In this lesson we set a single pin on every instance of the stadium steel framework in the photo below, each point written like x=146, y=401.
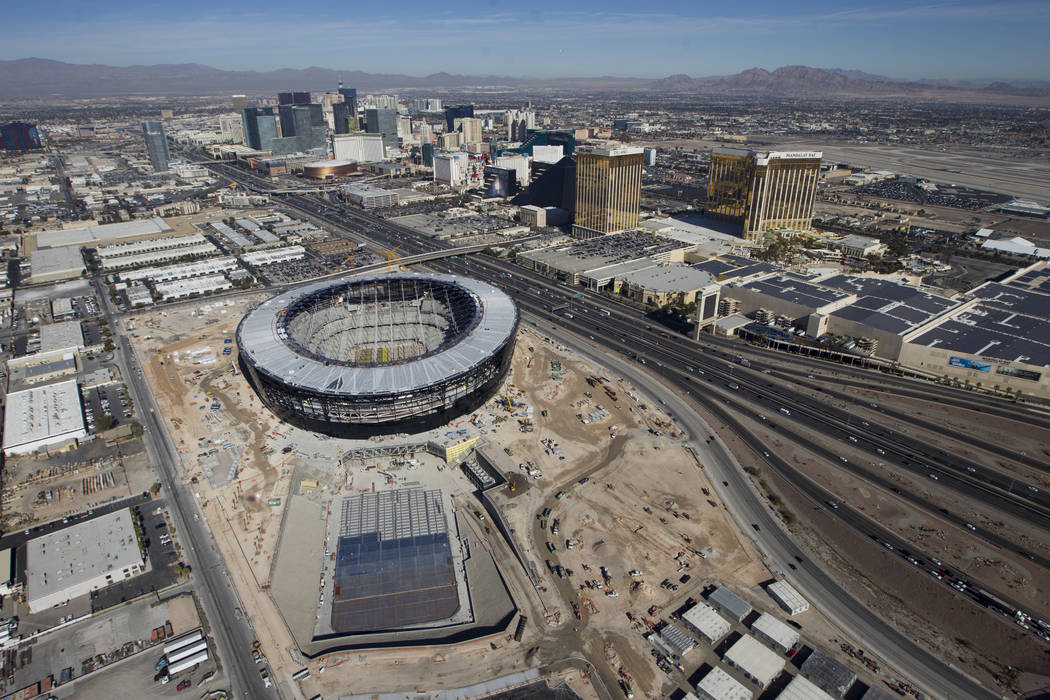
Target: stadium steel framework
x=380, y=353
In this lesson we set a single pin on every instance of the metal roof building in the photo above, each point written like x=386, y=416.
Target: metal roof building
x=719, y=685
x=51, y=264
x=787, y=597
x=78, y=559
x=801, y=689
x=774, y=632
x=754, y=660
x=43, y=417
x=728, y=602
x=394, y=562
x=706, y=623
x=375, y=353
x=102, y=233
x=66, y=335
x=828, y=674
x=681, y=642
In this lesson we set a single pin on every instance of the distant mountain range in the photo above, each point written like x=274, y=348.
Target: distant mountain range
x=43, y=78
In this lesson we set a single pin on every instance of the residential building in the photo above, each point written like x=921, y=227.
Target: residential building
x=649, y=157
x=608, y=190
x=763, y=192
x=156, y=145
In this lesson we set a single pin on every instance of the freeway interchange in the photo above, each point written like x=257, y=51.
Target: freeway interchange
x=727, y=382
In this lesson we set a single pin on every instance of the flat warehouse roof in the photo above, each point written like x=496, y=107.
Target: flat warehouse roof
x=102, y=233
x=78, y=555
x=43, y=413
x=60, y=336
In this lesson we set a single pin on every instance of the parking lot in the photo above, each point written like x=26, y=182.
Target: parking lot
x=106, y=400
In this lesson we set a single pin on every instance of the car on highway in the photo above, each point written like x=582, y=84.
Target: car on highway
x=969, y=526
x=757, y=528
x=934, y=477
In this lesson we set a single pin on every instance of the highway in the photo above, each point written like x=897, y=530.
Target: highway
x=231, y=632
x=610, y=331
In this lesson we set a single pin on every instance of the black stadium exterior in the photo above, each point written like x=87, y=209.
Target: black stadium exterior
x=375, y=354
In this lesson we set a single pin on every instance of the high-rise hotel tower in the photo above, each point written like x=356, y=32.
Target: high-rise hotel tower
x=608, y=190
x=763, y=191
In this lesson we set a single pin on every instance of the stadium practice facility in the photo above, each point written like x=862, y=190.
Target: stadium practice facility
x=385, y=353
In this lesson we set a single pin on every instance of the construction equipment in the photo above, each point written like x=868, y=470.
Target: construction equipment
x=392, y=258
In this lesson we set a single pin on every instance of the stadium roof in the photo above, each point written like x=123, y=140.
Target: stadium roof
x=259, y=340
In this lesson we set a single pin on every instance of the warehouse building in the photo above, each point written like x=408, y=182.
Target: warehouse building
x=801, y=689
x=719, y=685
x=53, y=264
x=828, y=674
x=680, y=642
x=260, y=258
x=728, y=602
x=189, y=251
x=182, y=271
x=149, y=245
x=180, y=289
x=22, y=375
x=601, y=262
x=758, y=664
x=787, y=597
x=774, y=633
x=65, y=337
x=81, y=558
x=43, y=418
x=102, y=233
x=706, y=623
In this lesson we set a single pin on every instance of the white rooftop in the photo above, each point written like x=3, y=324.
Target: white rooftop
x=775, y=630
x=802, y=689
x=706, y=620
x=95, y=235
x=42, y=415
x=750, y=655
x=74, y=556
x=719, y=684
x=61, y=336
x=50, y=261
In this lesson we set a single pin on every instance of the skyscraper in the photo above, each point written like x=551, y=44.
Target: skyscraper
x=156, y=145
x=293, y=98
x=346, y=115
x=382, y=121
x=19, y=136
x=260, y=127
x=454, y=113
x=763, y=191
x=303, y=128
x=470, y=127
x=608, y=190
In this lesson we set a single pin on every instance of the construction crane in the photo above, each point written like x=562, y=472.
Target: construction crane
x=391, y=259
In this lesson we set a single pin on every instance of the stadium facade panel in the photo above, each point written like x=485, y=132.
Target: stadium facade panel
x=379, y=353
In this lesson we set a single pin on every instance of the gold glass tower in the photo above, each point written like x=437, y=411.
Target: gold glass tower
x=608, y=190
x=763, y=191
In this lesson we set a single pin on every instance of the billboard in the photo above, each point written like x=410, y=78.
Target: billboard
x=969, y=364
x=1017, y=372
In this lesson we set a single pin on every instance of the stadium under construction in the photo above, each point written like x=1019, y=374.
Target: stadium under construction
x=385, y=353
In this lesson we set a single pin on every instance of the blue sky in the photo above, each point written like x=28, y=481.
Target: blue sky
x=951, y=39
